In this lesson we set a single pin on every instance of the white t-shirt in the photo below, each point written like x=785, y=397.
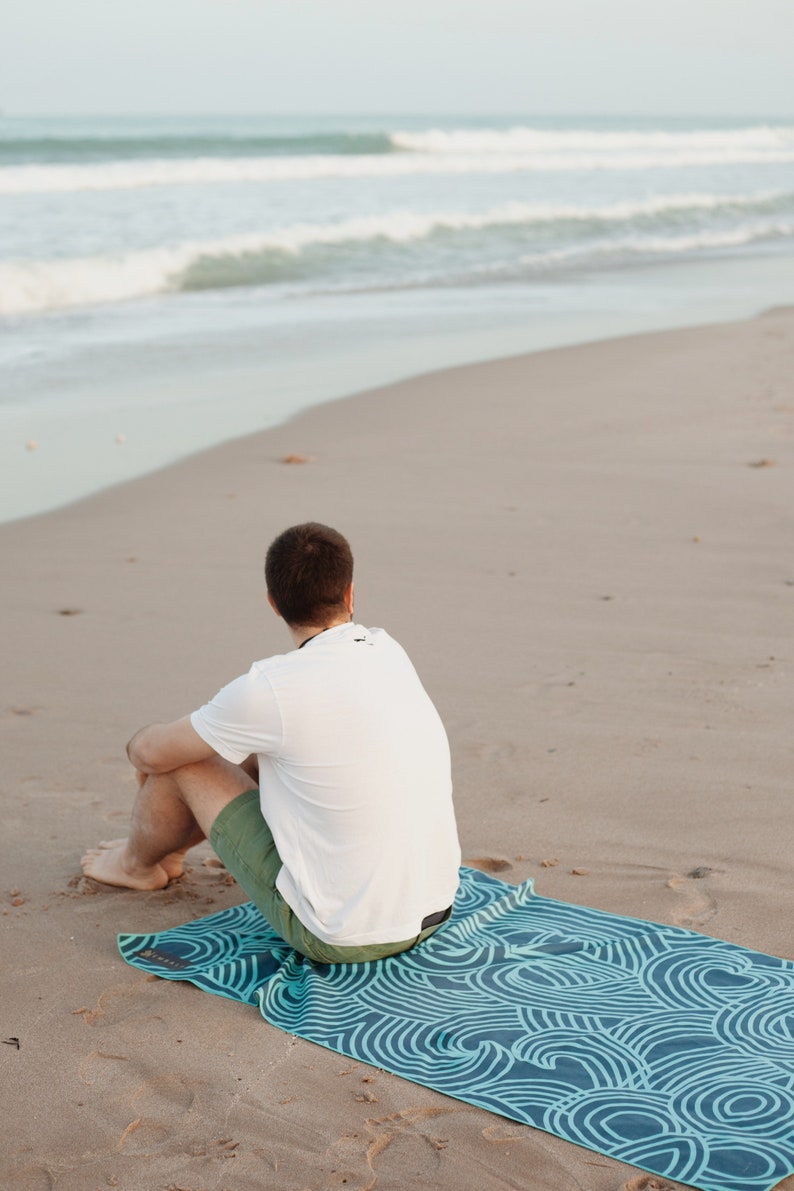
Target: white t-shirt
x=354, y=775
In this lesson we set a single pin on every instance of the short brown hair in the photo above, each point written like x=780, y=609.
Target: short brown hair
x=308, y=569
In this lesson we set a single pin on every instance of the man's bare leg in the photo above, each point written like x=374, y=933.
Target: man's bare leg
x=173, y=864
x=172, y=812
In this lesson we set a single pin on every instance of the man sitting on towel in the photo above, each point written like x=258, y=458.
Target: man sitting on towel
x=348, y=846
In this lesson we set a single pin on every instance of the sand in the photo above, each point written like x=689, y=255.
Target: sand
x=587, y=552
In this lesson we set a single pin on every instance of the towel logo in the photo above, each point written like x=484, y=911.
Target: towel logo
x=166, y=959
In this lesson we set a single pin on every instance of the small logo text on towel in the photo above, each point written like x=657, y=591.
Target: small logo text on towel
x=166, y=959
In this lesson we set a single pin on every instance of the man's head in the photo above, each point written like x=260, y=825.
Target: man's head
x=309, y=573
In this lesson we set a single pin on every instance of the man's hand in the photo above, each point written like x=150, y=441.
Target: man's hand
x=161, y=748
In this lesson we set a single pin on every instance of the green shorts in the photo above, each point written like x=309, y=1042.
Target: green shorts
x=243, y=841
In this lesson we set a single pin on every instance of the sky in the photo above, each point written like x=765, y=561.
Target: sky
x=598, y=57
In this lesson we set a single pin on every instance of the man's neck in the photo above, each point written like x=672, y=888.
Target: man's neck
x=301, y=634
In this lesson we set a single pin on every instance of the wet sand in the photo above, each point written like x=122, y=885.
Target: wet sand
x=587, y=553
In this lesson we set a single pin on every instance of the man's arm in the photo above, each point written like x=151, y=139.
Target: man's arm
x=160, y=748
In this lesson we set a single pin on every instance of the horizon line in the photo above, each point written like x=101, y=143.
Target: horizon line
x=394, y=114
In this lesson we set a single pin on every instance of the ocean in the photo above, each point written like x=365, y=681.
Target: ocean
x=168, y=283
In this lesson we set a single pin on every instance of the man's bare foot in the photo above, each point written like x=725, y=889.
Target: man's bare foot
x=111, y=865
x=173, y=864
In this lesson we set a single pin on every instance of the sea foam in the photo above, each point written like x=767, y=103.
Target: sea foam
x=624, y=229
x=463, y=152
x=762, y=138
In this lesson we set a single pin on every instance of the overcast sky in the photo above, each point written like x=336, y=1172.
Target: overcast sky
x=700, y=57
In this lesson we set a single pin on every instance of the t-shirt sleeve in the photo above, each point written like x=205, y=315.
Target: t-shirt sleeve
x=242, y=719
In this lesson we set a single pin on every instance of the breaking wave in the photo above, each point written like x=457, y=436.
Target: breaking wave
x=760, y=139
x=372, y=250
x=62, y=165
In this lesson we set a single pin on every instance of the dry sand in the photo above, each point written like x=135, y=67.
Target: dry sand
x=588, y=554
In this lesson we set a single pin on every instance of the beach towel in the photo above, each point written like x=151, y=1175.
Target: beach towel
x=651, y=1044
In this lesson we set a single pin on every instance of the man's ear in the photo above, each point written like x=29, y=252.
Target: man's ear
x=349, y=598
x=272, y=603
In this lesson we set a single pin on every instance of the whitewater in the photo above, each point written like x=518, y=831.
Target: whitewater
x=338, y=252
x=622, y=230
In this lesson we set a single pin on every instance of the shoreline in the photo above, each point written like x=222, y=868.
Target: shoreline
x=585, y=552
x=125, y=411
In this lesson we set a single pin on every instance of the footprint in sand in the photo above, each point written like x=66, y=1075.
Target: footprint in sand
x=648, y=1182
x=698, y=905
x=410, y=1145
x=143, y=1136
x=490, y=864
x=164, y=1093
x=101, y=1067
x=502, y=1133
x=492, y=751
x=31, y=1178
x=123, y=1003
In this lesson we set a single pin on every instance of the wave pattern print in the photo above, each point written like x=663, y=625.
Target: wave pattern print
x=233, y=957
x=651, y=1044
